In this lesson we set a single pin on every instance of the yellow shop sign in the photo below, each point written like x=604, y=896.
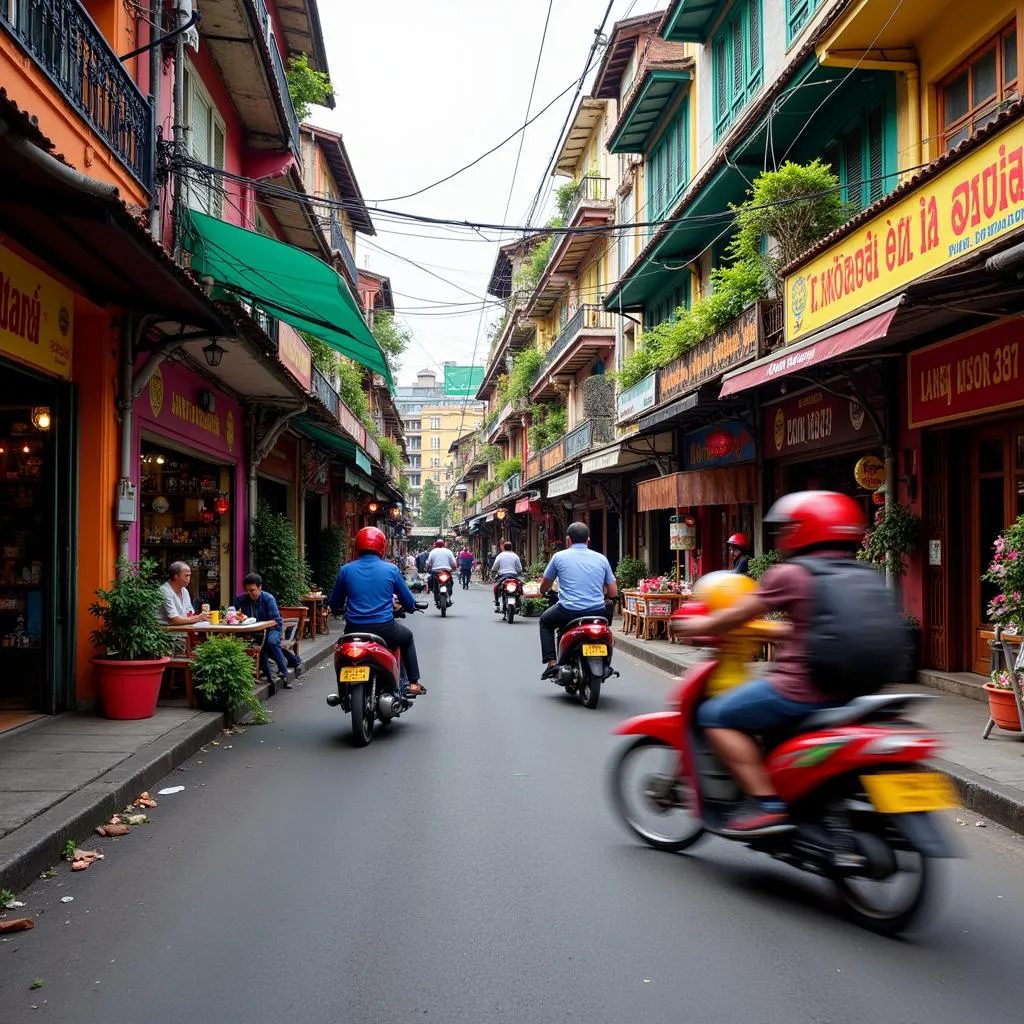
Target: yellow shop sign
x=961, y=210
x=36, y=316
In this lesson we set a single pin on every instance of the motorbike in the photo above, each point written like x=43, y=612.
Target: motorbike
x=585, y=657
x=370, y=681
x=861, y=795
x=443, y=587
x=511, y=591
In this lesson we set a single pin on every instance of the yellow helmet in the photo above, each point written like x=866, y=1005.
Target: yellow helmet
x=723, y=589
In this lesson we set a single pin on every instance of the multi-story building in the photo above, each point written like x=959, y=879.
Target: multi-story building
x=432, y=420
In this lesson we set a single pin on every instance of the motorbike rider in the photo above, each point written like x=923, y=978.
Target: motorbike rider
x=586, y=586
x=440, y=557
x=738, y=546
x=366, y=588
x=811, y=524
x=466, y=559
x=506, y=564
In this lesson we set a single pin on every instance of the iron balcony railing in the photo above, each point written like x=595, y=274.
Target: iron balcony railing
x=68, y=47
x=568, y=446
x=591, y=189
x=340, y=245
x=512, y=484
x=323, y=390
x=279, y=75
x=587, y=317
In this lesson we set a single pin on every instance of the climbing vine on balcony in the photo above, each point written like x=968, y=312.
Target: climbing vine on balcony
x=550, y=422
x=506, y=468
x=524, y=373
x=306, y=86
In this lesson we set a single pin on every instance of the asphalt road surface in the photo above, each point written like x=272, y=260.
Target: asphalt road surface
x=465, y=868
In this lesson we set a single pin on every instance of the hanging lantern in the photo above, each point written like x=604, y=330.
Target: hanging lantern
x=720, y=443
x=206, y=515
x=220, y=504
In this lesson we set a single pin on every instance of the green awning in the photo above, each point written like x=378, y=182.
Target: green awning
x=289, y=284
x=690, y=21
x=644, y=111
x=363, y=460
x=333, y=442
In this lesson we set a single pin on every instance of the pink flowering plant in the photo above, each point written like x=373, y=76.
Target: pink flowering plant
x=1002, y=680
x=1006, y=571
x=663, y=585
x=889, y=540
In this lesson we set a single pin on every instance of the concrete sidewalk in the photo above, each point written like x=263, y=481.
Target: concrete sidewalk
x=62, y=776
x=988, y=774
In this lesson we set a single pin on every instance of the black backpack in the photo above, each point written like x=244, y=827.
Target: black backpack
x=856, y=643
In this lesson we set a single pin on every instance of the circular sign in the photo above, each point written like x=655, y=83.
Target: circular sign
x=156, y=392
x=780, y=429
x=870, y=472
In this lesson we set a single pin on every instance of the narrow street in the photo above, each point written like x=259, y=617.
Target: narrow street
x=466, y=868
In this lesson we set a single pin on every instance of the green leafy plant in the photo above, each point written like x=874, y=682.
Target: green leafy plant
x=534, y=606
x=306, y=86
x=325, y=358
x=485, y=487
x=276, y=556
x=433, y=508
x=760, y=564
x=533, y=266
x=390, y=452
x=564, y=195
x=629, y=572
x=535, y=570
x=36, y=983
x=506, y=468
x=68, y=853
x=223, y=676
x=393, y=338
x=525, y=367
x=892, y=537
x=352, y=389
x=490, y=454
x=1006, y=571
x=127, y=609
x=332, y=555
x=550, y=422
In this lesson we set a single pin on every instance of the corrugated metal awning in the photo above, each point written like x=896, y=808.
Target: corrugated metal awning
x=729, y=485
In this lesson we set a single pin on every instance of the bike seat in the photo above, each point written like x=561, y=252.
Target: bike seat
x=871, y=707
x=586, y=620
x=363, y=638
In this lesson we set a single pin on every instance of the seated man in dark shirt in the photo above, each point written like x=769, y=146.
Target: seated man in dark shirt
x=262, y=606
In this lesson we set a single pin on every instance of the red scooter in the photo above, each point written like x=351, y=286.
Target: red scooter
x=585, y=657
x=371, y=679
x=856, y=779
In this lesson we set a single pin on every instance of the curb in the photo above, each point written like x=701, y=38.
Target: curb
x=1002, y=803
x=37, y=845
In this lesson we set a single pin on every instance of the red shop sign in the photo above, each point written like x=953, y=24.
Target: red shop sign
x=812, y=421
x=965, y=376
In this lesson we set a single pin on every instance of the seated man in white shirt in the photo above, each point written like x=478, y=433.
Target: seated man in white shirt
x=176, y=605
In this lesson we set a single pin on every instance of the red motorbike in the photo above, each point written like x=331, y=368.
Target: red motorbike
x=856, y=778
x=371, y=681
x=443, y=587
x=585, y=657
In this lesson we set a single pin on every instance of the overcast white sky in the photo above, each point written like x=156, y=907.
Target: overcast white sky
x=423, y=89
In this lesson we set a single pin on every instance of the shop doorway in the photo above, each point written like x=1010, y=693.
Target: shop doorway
x=37, y=569
x=996, y=499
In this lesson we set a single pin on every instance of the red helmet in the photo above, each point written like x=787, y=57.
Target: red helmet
x=439, y=543
x=811, y=519
x=738, y=540
x=369, y=538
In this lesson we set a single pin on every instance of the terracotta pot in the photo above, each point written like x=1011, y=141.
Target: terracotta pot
x=1003, y=707
x=129, y=689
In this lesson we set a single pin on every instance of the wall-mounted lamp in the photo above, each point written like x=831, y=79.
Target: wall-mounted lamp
x=41, y=417
x=213, y=353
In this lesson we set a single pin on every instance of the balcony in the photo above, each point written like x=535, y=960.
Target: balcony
x=654, y=91
x=321, y=387
x=588, y=335
x=590, y=201
x=68, y=47
x=566, y=449
x=340, y=245
x=513, y=334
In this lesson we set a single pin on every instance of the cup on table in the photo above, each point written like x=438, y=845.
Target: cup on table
x=214, y=618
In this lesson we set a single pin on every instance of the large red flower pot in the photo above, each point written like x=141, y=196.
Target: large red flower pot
x=129, y=689
x=1003, y=708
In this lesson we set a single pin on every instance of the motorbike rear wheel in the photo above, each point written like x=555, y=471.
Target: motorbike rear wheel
x=861, y=901
x=362, y=714
x=661, y=794
x=443, y=601
x=510, y=614
x=590, y=688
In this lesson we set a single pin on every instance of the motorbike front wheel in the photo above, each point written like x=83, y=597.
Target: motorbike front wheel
x=651, y=798
x=362, y=714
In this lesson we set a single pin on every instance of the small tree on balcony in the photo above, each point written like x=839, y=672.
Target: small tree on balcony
x=524, y=373
x=306, y=85
x=394, y=338
x=564, y=195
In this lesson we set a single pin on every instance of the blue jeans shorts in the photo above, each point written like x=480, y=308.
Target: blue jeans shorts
x=754, y=708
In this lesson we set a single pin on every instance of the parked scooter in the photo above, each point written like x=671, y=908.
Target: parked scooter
x=855, y=777
x=371, y=681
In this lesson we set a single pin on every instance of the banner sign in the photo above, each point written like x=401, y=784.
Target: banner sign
x=37, y=316
x=171, y=402
x=350, y=423
x=812, y=421
x=968, y=205
x=637, y=399
x=975, y=373
x=566, y=484
x=734, y=344
x=696, y=454
x=294, y=354
x=462, y=381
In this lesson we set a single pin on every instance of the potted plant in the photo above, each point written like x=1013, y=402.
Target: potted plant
x=135, y=647
x=629, y=572
x=1006, y=609
x=760, y=564
x=892, y=537
x=1002, y=702
x=223, y=677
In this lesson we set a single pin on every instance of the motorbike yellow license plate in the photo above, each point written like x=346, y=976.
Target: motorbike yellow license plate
x=910, y=792
x=595, y=650
x=355, y=673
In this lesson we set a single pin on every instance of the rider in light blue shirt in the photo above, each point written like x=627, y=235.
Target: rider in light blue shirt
x=585, y=581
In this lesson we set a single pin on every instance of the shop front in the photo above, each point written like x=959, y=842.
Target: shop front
x=38, y=438
x=965, y=412
x=192, y=481
x=276, y=476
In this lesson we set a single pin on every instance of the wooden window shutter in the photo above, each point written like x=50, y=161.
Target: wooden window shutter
x=875, y=155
